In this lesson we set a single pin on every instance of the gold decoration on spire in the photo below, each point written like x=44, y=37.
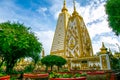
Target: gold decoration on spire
x=103, y=45
x=75, y=12
x=110, y=52
x=64, y=3
x=103, y=48
x=74, y=5
x=64, y=6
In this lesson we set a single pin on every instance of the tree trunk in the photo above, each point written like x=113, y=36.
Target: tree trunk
x=9, y=66
x=46, y=70
x=58, y=68
x=9, y=69
x=51, y=68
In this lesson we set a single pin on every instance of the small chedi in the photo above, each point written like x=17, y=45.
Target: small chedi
x=72, y=42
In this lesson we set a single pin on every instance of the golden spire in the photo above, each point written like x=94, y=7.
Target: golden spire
x=64, y=6
x=103, y=48
x=64, y=3
x=74, y=5
x=74, y=12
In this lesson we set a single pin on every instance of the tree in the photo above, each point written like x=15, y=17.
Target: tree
x=48, y=61
x=60, y=62
x=51, y=60
x=114, y=61
x=113, y=12
x=17, y=41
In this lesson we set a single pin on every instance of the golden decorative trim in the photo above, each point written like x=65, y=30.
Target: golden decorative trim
x=59, y=51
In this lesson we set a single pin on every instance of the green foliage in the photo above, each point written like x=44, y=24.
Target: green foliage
x=17, y=41
x=2, y=74
x=60, y=61
x=113, y=12
x=84, y=74
x=48, y=61
x=77, y=75
x=29, y=68
x=51, y=60
x=65, y=75
x=59, y=75
x=54, y=75
x=13, y=78
x=115, y=63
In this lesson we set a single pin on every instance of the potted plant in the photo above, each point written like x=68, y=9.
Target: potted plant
x=4, y=77
x=65, y=76
x=35, y=75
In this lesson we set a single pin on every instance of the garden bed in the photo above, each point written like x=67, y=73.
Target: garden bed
x=7, y=77
x=67, y=76
x=36, y=75
x=96, y=73
x=80, y=78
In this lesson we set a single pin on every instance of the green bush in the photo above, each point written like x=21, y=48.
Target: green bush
x=13, y=78
x=65, y=75
x=2, y=74
x=83, y=74
x=77, y=75
x=29, y=68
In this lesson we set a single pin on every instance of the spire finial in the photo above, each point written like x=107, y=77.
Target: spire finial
x=64, y=3
x=64, y=6
x=103, y=49
x=74, y=12
x=103, y=44
x=74, y=5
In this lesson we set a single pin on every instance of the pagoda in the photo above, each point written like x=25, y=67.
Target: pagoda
x=72, y=42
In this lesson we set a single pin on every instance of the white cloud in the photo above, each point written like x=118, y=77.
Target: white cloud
x=45, y=37
x=109, y=41
x=55, y=8
x=94, y=15
x=42, y=10
x=9, y=11
x=91, y=15
x=98, y=28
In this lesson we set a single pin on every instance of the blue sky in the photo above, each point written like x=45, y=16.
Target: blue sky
x=41, y=16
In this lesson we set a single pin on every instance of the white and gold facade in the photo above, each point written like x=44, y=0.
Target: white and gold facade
x=58, y=44
x=72, y=41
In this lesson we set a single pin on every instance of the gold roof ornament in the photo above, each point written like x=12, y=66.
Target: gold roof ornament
x=74, y=12
x=103, y=49
x=64, y=6
x=74, y=5
x=110, y=52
